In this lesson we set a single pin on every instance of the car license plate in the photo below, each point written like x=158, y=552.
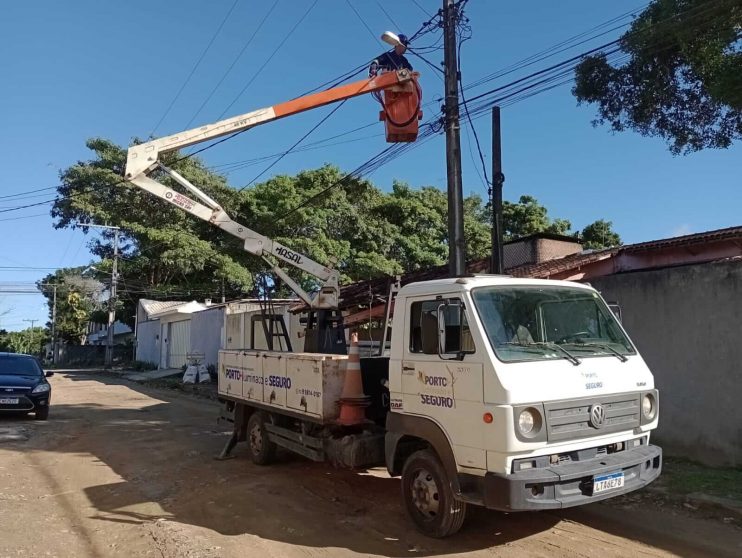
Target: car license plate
x=603, y=483
x=9, y=401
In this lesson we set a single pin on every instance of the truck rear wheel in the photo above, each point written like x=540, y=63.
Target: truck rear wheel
x=428, y=496
x=262, y=450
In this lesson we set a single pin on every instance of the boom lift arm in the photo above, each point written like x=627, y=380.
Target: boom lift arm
x=144, y=158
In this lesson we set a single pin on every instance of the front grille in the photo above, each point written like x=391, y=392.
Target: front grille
x=10, y=390
x=24, y=403
x=570, y=419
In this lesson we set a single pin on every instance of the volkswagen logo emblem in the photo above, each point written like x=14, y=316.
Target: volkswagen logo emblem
x=597, y=416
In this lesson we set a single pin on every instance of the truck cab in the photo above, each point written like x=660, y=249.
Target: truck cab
x=514, y=394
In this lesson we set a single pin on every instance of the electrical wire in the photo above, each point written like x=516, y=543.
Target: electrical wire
x=423, y=10
x=389, y=17
x=195, y=67
x=363, y=21
x=267, y=61
x=296, y=144
x=234, y=62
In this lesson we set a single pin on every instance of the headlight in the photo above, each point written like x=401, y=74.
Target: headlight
x=41, y=388
x=526, y=421
x=649, y=407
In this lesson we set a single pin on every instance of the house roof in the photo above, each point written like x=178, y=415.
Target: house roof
x=374, y=291
x=158, y=306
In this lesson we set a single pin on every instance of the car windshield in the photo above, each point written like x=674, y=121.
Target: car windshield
x=19, y=366
x=539, y=323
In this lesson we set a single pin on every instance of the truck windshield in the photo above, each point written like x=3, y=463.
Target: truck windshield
x=536, y=323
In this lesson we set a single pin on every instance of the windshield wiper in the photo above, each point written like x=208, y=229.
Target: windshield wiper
x=569, y=356
x=620, y=356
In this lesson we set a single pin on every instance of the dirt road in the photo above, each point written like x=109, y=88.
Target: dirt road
x=122, y=470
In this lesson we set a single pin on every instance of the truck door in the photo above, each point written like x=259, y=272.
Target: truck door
x=445, y=383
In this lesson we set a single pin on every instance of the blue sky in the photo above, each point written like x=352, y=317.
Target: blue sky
x=84, y=68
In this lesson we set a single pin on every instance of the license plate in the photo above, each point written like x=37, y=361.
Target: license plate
x=603, y=483
x=9, y=401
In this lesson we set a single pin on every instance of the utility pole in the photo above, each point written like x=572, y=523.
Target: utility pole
x=497, y=264
x=456, y=243
x=54, y=327
x=112, y=299
x=112, y=295
x=32, y=331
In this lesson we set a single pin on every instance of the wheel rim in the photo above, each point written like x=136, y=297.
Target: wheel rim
x=425, y=493
x=256, y=439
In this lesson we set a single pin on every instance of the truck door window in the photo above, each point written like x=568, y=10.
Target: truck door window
x=424, y=327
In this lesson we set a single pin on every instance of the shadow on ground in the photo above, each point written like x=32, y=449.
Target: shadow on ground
x=161, y=445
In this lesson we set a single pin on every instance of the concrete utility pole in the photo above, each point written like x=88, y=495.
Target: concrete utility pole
x=456, y=243
x=54, y=327
x=497, y=263
x=112, y=300
x=112, y=295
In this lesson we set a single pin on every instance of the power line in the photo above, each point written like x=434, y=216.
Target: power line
x=24, y=217
x=195, y=66
x=27, y=192
x=423, y=10
x=232, y=65
x=301, y=139
x=275, y=51
x=363, y=21
x=389, y=17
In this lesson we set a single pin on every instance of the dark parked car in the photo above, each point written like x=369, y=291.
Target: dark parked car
x=23, y=385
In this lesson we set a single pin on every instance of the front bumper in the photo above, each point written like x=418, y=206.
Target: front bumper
x=564, y=486
x=27, y=402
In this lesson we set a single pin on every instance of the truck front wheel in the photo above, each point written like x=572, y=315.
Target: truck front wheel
x=262, y=450
x=428, y=496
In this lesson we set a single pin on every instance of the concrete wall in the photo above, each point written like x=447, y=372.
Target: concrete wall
x=206, y=333
x=686, y=324
x=148, y=345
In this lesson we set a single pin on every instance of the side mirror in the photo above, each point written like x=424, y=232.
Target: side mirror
x=616, y=309
x=49, y=374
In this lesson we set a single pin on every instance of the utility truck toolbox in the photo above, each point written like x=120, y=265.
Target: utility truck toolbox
x=306, y=383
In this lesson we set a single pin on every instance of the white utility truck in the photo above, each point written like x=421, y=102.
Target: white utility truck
x=508, y=393
x=513, y=394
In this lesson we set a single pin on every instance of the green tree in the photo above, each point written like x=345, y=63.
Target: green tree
x=77, y=298
x=28, y=341
x=527, y=216
x=166, y=253
x=599, y=234
x=682, y=80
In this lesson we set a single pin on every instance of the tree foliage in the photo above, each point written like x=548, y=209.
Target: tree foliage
x=28, y=341
x=599, y=234
x=361, y=230
x=78, y=297
x=527, y=216
x=683, y=77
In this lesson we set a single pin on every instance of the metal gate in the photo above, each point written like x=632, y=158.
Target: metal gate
x=179, y=342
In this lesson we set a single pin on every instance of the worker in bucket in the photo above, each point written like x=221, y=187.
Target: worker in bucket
x=391, y=60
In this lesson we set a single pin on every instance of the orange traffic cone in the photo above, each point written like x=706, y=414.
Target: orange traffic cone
x=353, y=401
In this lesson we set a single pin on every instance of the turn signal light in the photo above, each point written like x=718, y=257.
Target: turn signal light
x=488, y=418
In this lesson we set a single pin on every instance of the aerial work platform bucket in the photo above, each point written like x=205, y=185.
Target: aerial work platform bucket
x=401, y=111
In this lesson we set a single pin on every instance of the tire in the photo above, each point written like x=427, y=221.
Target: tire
x=428, y=497
x=262, y=450
x=42, y=413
